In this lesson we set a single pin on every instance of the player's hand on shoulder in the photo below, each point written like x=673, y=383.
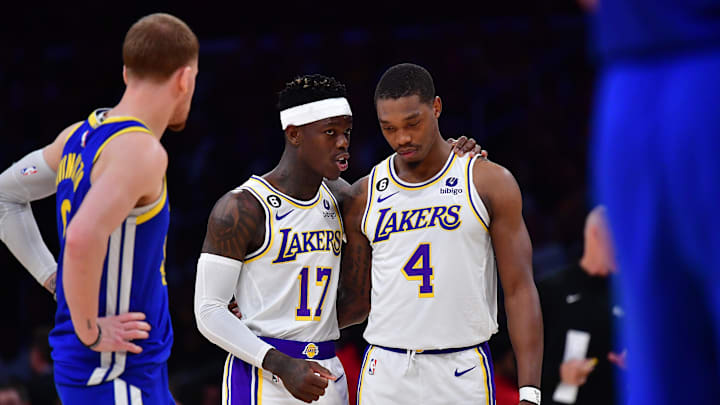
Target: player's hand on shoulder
x=463, y=145
x=305, y=380
x=117, y=332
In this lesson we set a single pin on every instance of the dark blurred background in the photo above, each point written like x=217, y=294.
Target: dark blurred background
x=518, y=78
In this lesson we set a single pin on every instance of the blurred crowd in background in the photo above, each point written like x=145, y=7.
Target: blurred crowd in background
x=519, y=83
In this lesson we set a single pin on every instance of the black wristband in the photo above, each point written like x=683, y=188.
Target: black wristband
x=97, y=341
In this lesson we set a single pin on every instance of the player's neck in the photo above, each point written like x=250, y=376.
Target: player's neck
x=143, y=103
x=430, y=165
x=294, y=178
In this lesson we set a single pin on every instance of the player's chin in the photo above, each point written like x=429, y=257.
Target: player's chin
x=176, y=127
x=413, y=158
x=413, y=155
x=332, y=173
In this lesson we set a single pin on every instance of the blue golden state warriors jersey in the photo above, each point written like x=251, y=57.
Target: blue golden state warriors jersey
x=133, y=277
x=640, y=28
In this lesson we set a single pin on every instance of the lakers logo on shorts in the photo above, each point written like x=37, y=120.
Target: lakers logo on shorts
x=311, y=350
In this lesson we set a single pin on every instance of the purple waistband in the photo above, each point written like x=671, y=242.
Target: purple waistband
x=431, y=351
x=303, y=350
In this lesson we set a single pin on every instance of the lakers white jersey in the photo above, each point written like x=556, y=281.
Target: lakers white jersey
x=288, y=287
x=434, y=283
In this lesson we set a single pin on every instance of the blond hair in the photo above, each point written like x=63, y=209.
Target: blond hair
x=157, y=45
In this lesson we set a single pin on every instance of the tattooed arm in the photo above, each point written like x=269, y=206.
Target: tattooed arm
x=354, y=289
x=236, y=226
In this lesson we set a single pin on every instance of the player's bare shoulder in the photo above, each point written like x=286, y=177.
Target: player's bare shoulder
x=236, y=225
x=494, y=183
x=52, y=153
x=140, y=152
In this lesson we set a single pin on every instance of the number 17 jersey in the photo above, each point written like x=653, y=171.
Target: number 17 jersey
x=434, y=283
x=288, y=287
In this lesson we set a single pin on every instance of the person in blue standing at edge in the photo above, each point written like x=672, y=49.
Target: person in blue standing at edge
x=112, y=334
x=656, y=136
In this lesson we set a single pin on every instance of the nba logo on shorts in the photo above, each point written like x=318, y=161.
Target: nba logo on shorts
x=28, y=170
x=371, y=367
x=311, y=350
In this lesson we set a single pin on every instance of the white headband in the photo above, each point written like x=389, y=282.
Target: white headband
x=315, y=111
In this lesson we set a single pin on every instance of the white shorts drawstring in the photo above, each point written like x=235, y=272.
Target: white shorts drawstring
x=410, y=358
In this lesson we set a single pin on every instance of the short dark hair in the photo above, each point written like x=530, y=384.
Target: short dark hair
x=157, y=45
x=308, y=88
x=403, y=80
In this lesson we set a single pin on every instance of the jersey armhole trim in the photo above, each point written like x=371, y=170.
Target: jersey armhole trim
x=470, y=189
x=268, y=239
x=368, y=203
x=116, y=134
x=147, y=213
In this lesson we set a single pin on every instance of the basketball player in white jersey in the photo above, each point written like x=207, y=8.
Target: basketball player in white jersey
x=274, y=243
x=426, y=231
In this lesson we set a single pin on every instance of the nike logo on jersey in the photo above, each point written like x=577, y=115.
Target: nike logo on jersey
x=572, y=298
x=279, y=217
x=341, y=376
x=381, y=198
x=458, y=374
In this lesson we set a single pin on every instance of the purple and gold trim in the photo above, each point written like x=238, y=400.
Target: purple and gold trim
x=470, y=185
x=417, y=186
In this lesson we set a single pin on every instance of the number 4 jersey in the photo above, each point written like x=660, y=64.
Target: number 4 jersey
x=288, y=287
x=434, y=282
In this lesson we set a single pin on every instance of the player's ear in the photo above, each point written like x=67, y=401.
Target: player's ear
x=185, y=79
x=437, y=107
x=293, y=135
x=125, y=74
